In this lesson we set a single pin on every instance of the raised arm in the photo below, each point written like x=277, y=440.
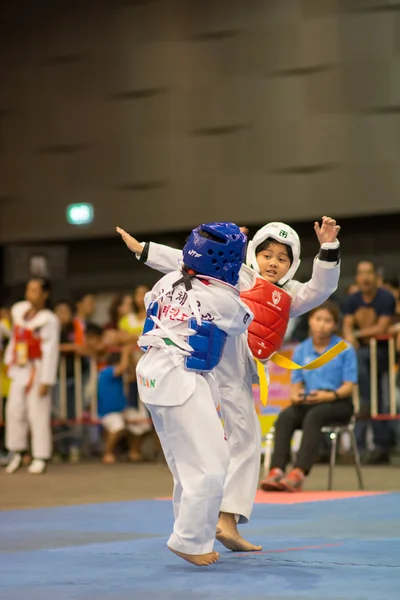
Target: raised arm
x=326, y=270
x=156, y=256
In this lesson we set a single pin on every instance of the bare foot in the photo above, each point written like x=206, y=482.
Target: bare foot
x=135, y=456
x=109, y=459
x=229, y=536
x=201, y=560
x=26, y=459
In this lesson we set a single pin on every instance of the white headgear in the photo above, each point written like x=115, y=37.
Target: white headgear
x=283, y=234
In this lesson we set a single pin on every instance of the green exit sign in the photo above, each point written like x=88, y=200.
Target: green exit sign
x=80, y=214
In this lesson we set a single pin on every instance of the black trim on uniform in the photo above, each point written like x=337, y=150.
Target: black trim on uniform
x=145, y=254
x=330, y=255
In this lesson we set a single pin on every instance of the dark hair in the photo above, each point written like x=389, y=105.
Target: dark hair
x=135, y=307
x=113, y=359
x=207, y=235
x=44, y=283
x=331, y=307
x=65, y=302
x=211, y=236
x=114, y=306
x=93, y=329
x=370, y=262
x=266, y=244
x=46, y=288
x=79, y=296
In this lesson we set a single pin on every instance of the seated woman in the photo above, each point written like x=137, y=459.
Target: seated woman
x=319, y=398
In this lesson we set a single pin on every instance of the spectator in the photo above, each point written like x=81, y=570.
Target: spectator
x=5, y=332
x=352, y=289
x=134, y=321
x=32, y=361
x=121, y=305
x=85, y=307
x=71, y=343
x=132, y=327
x=320, y=397
x=369, y=313
x=94, y=345
x=114, y=411
x=392, y=286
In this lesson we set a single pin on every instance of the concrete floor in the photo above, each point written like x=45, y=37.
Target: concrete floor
x=92, y=482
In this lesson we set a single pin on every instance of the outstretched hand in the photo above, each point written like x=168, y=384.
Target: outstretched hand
x=130, y=241
x=328, y=231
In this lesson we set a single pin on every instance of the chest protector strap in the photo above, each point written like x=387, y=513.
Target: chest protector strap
x=149, y=324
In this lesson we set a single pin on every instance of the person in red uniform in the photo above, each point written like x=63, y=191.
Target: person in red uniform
x=32, y=362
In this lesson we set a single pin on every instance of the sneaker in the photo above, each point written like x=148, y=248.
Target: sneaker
x=37, y=466
x=293, y=482
x=14, y=464
x=273, y=482
x=74, y=455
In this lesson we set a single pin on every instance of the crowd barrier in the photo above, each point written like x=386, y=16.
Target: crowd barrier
x=279, y=390
x=391, y=349
x=85, y=411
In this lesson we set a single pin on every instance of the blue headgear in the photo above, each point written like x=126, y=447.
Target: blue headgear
x=221, y=255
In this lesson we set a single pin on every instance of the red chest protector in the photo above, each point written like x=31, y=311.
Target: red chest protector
x=271, y=308
x=30, y=339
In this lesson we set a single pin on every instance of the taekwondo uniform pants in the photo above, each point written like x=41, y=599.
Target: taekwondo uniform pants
x=27, y=411
x=235, y=375
x=196, y=451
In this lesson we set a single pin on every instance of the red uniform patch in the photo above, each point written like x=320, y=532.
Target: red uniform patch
x=29, y=338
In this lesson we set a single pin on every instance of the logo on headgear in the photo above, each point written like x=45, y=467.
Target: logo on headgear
x=276, y=297
x=283, y=233
x=194, y=253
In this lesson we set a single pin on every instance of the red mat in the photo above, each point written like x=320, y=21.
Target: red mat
x=301, y=497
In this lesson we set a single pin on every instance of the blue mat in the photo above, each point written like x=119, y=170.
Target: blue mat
x=337, y=550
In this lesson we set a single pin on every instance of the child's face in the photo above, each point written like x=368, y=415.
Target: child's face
x=87, y=305
x=64, y=313
x=273, y=262
x=322, y=324
x=93, y=342
x=34, y=292
x=126, y=306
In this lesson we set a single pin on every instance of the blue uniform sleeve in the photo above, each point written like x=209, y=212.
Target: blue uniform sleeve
x=350, y=369
x=298, y=376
